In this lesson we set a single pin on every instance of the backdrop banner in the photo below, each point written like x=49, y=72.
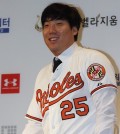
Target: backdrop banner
x=23, y=51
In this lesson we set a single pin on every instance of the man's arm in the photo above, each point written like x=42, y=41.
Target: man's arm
x=33, y=128
x=105, y=110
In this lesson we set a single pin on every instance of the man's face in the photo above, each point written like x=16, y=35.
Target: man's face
x=58, y=35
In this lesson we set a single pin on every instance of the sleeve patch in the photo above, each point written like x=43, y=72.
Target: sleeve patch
x=96, y=72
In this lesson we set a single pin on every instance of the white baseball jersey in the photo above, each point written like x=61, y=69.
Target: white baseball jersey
x=78, y=98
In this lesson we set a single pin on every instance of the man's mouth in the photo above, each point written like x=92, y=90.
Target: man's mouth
x=53, y=38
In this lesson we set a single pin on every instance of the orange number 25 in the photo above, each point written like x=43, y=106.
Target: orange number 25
x=81, y=108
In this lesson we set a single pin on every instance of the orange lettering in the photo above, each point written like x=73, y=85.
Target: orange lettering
x=55, y=89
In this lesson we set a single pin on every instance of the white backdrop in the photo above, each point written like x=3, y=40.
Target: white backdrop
x=23, y=51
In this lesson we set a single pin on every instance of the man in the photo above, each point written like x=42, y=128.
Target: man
x=78, y=96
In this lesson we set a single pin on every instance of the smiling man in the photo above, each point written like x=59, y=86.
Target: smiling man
x=58, y=35
x=74, y=94
x=58, y=29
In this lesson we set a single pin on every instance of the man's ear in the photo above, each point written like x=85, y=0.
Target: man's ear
x=75, y=30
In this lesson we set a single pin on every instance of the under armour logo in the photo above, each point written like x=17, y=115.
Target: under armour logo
x=10, y=83
x=99, y=84
x=13, y=82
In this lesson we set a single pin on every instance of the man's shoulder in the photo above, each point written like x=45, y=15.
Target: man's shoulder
x=45, y=70
x=88, y=52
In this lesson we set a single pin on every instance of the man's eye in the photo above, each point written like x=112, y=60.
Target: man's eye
x=59, y=23
x=46, y=25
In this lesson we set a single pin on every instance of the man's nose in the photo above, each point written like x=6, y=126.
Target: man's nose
x=52, y=28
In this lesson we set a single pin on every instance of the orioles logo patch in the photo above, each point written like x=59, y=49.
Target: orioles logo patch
x=96, y=72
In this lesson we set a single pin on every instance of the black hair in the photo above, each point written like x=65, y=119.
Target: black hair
x=60, y=11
